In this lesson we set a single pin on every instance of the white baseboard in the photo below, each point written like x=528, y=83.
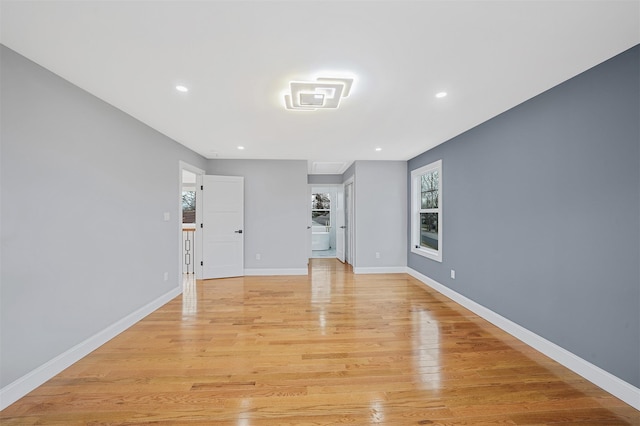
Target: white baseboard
x=25, y=384
x=381, y=270
x=607, y=381
x=275, y=271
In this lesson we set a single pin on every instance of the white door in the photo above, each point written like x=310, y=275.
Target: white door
x=309, y=229
x=340, y=225
x=349, y=232
x=222, y=226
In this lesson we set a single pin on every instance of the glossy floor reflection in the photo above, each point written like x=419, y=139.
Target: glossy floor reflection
x=330, y=253
x=328, y=348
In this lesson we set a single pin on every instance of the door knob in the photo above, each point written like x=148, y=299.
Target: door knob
x=239, y=231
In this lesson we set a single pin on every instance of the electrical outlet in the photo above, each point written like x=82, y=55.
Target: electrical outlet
x=167, y=216
x=166, y=276
x=377, y=255
x=258, y=256
x=453, y=274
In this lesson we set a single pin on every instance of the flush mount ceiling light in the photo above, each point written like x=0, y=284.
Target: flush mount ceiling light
x=441, y=94
x=323, y=93
x=181, y=88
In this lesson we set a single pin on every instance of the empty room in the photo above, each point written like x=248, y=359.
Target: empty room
x=320, y=212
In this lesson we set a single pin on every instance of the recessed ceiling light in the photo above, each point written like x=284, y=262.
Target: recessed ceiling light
x=181, y=88
x=441, y=94
x=378, y=149
x=241, y=148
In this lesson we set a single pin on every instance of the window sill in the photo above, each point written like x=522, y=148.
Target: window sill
x=429, y=254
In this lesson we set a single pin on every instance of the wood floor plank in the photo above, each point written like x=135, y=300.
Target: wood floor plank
x=330, y=348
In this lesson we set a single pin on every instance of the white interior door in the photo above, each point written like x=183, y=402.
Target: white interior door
x=309, y=229
x=340, y=225
x=222, y=226
x=349, y=231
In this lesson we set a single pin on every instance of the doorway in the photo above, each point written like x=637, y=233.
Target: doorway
x=323, y=203
x=190, y=213
x=328, y=229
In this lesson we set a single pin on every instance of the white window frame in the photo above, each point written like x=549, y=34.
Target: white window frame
x=322, y=210
x=416, y=210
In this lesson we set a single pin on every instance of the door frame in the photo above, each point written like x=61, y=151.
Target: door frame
x=197, y=234
x=350, y=246
x=309, y=247
x=340, y=221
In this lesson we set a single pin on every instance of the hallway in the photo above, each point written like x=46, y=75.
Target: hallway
x=328, y=348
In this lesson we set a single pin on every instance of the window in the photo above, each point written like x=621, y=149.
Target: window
x=188, y=207
x=426, y=216
x=320, y=209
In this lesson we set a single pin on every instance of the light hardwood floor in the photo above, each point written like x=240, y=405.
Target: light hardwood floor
x=330, y=348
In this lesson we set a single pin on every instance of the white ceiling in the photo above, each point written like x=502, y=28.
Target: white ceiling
x=237, y=58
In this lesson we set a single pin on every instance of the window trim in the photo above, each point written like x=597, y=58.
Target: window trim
x=416, y=210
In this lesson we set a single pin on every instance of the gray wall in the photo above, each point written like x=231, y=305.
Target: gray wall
x=324, y=179
x=380, y=214
x=84, y=189
x=541, y=211
x=276, y=203
x=349, y=173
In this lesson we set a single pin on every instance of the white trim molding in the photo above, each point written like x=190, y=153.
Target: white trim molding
x=601, y=378
x=381, y=270
x=25, y=384
x=276, y=271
